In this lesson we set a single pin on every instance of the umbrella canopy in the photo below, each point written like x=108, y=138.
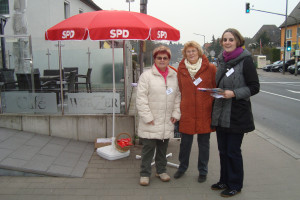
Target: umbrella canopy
x=112, y=25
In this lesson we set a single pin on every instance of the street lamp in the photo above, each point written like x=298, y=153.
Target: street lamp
x=203, y=37
x=128, y=1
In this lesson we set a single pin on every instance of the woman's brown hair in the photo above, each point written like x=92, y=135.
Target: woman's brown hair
x=240, y=41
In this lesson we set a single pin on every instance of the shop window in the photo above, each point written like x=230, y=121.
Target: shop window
x=67, y=9
x=289, y=33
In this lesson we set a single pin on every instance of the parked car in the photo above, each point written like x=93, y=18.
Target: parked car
x=267, y=68
x=278, y=67
x=291, y=68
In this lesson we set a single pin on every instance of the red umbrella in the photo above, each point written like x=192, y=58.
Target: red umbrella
x=112, y=25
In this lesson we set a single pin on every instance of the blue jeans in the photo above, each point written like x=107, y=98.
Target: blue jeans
x=185, y=151
x=231, y=160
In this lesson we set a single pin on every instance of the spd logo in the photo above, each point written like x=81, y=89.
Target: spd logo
x=119, y=33
x=69, y=33
x=162, y=35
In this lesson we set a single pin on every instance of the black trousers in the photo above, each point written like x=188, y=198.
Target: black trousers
x=203, y=152
x=231, y=160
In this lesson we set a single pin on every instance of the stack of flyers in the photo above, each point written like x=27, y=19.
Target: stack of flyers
x=211, y=90
x=214, y=91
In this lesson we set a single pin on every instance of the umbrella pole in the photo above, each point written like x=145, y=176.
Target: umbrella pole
x=110, y=152
x=60, y=77
x=114, y=89
x=89, y=57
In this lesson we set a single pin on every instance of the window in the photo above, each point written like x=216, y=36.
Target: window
x=80, y=10
x=298, y=32
x=289, y=33
x=67, y=9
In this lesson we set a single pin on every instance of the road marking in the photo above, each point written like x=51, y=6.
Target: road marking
x=297, y=92
x=280, y=95
x=278, y=82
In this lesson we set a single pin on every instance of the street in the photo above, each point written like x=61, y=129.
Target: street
x=276, y=110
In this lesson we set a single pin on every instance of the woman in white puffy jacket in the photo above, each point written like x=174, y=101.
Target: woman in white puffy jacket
x=157, y=102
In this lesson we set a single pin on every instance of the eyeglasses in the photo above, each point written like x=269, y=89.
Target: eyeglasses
x=229, y=39
x=162, y=58
x=192, y=51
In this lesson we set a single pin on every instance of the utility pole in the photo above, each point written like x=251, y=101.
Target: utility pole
x=284, y=49
x=143, y=9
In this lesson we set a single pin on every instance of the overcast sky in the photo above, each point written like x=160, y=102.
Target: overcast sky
x=208, y=17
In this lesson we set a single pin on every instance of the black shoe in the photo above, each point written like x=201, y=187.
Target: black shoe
x=229, y=193
x=178, y=174
x=219, y=186
x=201, y=178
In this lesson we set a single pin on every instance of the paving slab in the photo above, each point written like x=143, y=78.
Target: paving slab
x=43, y=155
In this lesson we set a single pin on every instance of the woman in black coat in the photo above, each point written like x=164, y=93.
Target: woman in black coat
x=232, y=115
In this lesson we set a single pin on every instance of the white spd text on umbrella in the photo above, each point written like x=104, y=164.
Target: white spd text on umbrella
x=116, y=33
x=162, y=34
x=69, y=33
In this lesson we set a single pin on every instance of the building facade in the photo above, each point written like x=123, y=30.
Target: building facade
x=292, y=32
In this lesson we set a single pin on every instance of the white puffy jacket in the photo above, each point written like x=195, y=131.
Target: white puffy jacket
x=153, y=103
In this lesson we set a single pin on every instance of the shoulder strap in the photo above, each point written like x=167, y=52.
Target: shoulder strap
x=221, y=78
x=173, y=68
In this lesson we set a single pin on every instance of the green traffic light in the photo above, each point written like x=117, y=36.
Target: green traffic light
x=247, y=7
x=288, y=45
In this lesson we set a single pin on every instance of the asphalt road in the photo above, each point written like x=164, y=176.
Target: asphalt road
x=276, y=109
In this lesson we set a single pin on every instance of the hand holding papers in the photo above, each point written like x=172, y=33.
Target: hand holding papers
x=215, y=92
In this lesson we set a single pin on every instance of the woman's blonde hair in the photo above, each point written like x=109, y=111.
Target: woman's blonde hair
x=161, y=50
x=192, y=44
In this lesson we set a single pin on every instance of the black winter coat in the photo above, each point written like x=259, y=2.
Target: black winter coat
x=235, y=115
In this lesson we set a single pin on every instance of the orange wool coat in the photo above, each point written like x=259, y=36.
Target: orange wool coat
x=196, y=106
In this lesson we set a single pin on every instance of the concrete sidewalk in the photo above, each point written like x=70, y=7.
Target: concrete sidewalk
x=269, y=174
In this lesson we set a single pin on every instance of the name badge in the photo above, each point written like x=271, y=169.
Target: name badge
x=197, y=81
x=229, y=72
x=169, y=91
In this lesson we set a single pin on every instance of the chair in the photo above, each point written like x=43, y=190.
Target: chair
x=87, y=82
x=68, y=70
x=71, y=82
x=71, y=69
x=25, y=81
x=50, y=78
x=7, y=78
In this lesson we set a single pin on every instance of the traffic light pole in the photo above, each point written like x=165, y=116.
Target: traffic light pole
x=283, y=67
x=143, y=9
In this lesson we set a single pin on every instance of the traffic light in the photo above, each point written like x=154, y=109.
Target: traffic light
x=247, y=7
x=288, y=45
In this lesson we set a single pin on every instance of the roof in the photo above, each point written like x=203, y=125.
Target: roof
x=273, y=32
x=91, y=4
x=291, y=20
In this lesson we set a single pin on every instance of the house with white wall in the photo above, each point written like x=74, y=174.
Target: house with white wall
x=34, y=17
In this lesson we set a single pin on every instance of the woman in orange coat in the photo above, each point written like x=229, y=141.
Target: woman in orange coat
x=194, y=72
